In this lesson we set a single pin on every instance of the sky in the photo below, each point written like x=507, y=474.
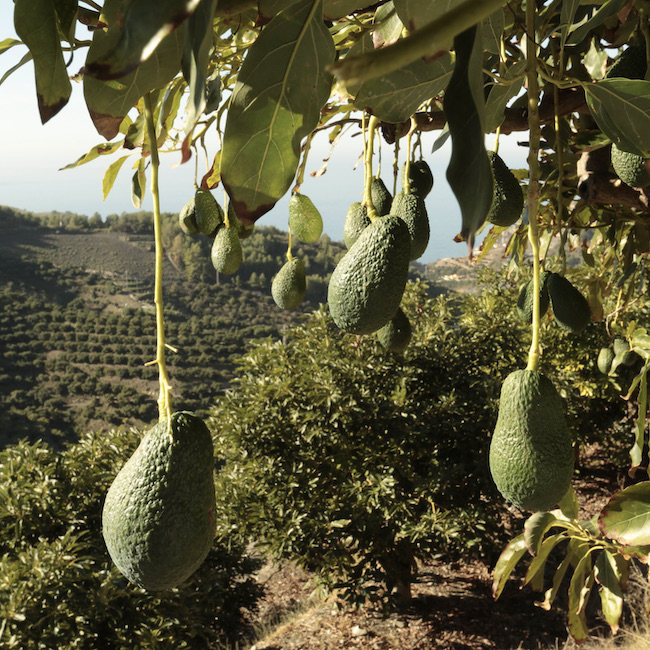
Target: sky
x=33, y=155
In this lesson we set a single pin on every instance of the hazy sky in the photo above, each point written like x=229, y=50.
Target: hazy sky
x=34, y=153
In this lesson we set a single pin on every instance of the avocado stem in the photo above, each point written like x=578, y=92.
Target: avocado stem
x=533, y=177
x=367, y=197
x=164, y=400
x=406, y=183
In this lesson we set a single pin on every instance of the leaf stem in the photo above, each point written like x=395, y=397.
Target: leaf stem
x=533, y=177
x=164, y=401
x=367, y=198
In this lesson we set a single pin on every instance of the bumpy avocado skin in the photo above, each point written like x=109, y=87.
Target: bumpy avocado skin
x=226, y=254
x=356, y=220
x=420, y=177
x=209, y=215
x=631, y=64
x=290, y=284
x=411, y=208
x=381, y=197
x=158, y=517
x=367, y=284
x=631, y=168
x=187, y=218
x=305, y=220
x=508, y=199
x=531, y=452
x=570, y=308
x=605, y=359
x=396, y=334
x=525, y=299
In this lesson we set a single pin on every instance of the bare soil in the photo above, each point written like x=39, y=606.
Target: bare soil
x=452, y=607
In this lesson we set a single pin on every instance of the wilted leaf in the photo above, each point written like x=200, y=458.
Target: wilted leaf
x=621, y=108
x=396, y=96
x=626, y=516
x=35, y=23
x=469, y=172
x=276, y=102
x=507, y=561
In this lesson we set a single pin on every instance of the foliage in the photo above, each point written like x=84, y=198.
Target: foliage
x=57, y=585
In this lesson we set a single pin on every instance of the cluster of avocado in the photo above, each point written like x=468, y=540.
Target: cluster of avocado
x=202, y=215
x=366, y=287
x=613, y=358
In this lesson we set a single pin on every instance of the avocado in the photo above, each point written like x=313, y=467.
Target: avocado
x=356, y=219
x=209, y=215
x=158, y=517
x=633, y=169
x=525, y=299
x=396, y=334
x=605, y=359
x=531, y=453
x=570, y=308
x=420, y=179
x=305, y=220
x=411, y=208
x=630, y=64
x=244, y=232
x=381, y=197
x=508, y=198
x=290, y=284
x=367, y=284
x=624, y=355
x=227, y=253
x=187, y=218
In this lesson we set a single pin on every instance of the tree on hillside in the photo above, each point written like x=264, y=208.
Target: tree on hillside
x=247, y=84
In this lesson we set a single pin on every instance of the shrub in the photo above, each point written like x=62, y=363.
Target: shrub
x=58, y=588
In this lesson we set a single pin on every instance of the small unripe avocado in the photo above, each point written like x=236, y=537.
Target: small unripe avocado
x=367, y=285
x=525, y=299
x=508, y=198
x=356, y=220
x=631, y=63
x=381, y=197
x=570, y=308
x=633, y=169
x=209, y=215
x=420, y=178
x=158, y=517
x=396, y=334
x=622, y=351
x=187, y=218
x=605, y=359
x=290, y=284
x=411, y=208
x=531, y=452
x=305, y=220
x=226, y=252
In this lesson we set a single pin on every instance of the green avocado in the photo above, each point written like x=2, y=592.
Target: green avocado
x=158, y=517
x=411, y=208
x=187, y=218
x=305, y=220
x=525, y=299
x=633, y=169
x=508, y=198
x=605, y=359
x=631, y=63
x=356, y=219
x=366, y=286
x=381, y=197
x=396, y=334
x=244, y=232
x=420, y=178
x=226, y=252
x=209, y=215
x=570, y=308
x=531, y=453
x=290, y=284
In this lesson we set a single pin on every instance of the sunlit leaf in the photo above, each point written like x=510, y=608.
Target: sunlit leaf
x=567, y=13
x=640, y=340
x=599, y=14
x=8, y=43
x=102, y=149
x=610, y=579
x=276, y=102
x=535, y=573
x=138, y=184
x=507, y=561
x=396, y=96
x=35, y=23
x=469, y=172
x=20, y=64
x=569, y=506
x=536, y=527
x=111, y=174
x=626, y=516
x=636, y=453
x=621, y=108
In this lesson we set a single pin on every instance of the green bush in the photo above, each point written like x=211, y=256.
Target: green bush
x=58, y=588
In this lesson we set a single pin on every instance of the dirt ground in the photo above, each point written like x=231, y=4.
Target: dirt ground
x=452, y=608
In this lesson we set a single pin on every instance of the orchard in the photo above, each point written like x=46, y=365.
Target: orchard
x=255, y=81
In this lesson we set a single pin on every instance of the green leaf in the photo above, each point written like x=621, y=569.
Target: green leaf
x=334, y=9
x=501, y=93
x=611, y=580
x=535, y=573
x=111, y=175
x=492, y=28
x=580, y=587
x=636, y=453
x=415, y=14
x=145, y=24
x=560, y=572
x=138, y=184
x=507, y=561
x=103, y=149
x=621, y=108
x=536, y=527
x=567, y=13
x=469, y=172
x=20, y=64
x=108, y=102
x=397, y=95
x=580, y=31
x=626, y=516
x=8, y=43
x=276, y=102
x=388, y=27
x=66, y=17
x=569, y=506
x=640, y=340
x=35, y=23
